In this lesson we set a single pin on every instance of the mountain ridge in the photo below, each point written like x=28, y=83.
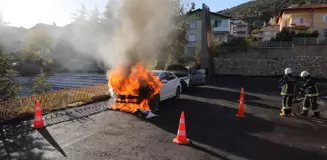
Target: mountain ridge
x=264, y=9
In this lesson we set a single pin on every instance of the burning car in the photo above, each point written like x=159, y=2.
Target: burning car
x=138, y=90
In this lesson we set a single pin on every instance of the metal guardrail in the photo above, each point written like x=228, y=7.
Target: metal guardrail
x=49, y=101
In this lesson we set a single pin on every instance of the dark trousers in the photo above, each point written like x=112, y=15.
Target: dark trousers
x=287, y=104
x=310, y=101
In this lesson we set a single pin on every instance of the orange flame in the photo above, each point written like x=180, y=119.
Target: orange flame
x=127, y=81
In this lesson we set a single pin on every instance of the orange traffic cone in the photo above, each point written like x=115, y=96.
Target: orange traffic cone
x=240, y=112
x=38, y=120
x=181, y=134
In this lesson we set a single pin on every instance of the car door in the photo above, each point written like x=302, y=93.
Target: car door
x=198, y=77
x=172, y=84
x=164, y=88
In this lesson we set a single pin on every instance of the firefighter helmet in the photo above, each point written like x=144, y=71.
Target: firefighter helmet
x=304, y=74
x=288, y=71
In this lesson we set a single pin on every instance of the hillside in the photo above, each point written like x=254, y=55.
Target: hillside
x=264, y=9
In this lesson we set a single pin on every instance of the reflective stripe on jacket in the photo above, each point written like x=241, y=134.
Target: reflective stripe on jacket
x=310, y=88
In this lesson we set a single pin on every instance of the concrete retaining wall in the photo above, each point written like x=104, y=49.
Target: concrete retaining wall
x=316, y=65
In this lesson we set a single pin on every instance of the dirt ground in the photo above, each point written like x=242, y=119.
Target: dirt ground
x=211, y=125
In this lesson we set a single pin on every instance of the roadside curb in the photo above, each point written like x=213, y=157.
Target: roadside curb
x=30, y=115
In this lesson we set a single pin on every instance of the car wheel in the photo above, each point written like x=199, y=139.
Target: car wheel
x=154, y=103
x=177, y=94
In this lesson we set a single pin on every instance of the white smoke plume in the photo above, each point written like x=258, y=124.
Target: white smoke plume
x=137, y=30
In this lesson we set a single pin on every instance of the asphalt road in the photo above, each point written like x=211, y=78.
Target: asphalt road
x=210, y=124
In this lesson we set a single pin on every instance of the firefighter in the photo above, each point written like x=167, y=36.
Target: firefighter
x=288, y=84
x=311, y=92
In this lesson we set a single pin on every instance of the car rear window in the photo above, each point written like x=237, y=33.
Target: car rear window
x=155, y=73
x=180, y=74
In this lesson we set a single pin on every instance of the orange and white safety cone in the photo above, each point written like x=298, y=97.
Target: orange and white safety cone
x=181, y=134
x=38, y=120
x=240, y=112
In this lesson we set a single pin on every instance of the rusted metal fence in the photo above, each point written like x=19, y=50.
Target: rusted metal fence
x=310, y=40
x=276, y=44
x=294, y=42
x=49, y=101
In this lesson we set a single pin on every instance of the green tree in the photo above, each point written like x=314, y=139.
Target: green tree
x=254, y=25
x=192, y=6
x=37, y=47
x=108, y=13
x=153, y=64
x=169, y=61
x=264, y=24
x=263, y=9
x=255, y=31
x=40, y=84
x=81, y=14
x=95, y=15
x=273, y=21
x=285, y=35
x=8, y=88
x=178, y=32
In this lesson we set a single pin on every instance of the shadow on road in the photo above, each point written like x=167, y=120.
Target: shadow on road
x=215, y=93
x=250, y=84
x=44, y=132
x=214, y=154
x=262, y=105
x=76, y=115
x=257, y=84
x=218, y=127
x=17, y=142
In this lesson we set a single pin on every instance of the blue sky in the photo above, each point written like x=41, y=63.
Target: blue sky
x=217, y=5
x=27, y=13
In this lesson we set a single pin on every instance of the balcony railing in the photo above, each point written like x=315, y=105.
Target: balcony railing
x=219, y=29
x=300, y=24
x=241, y=29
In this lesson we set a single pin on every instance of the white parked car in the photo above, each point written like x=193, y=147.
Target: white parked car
x=189, y=77
x=171, y=85
x=171, y=88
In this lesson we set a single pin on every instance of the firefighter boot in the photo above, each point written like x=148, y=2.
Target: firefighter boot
x=304, y=113
x=316, y=114
x=282, y=112
x=286, y=112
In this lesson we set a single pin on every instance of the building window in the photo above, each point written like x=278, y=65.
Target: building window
x=325, y=18
x=191, y=51
x=217, y=23
x=267, y=33
x=192, y=25
x=225, y=23
x=191, y=38
x=298, y=20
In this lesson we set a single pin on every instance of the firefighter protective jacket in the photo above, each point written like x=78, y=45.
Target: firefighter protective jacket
x=310, y=88
x=288, y=84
